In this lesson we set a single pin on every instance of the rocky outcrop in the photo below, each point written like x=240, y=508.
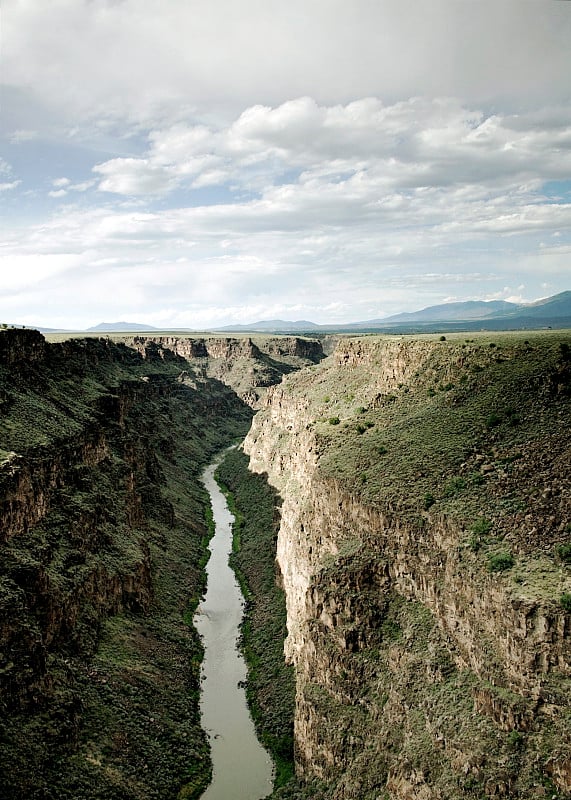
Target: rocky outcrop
x=247, y=364
x=422, y=671
x=21, y=346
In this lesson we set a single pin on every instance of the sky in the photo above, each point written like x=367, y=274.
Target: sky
x=198, y=163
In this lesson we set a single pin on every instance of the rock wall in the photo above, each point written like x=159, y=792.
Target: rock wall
x=420, y=672
x=248, y=365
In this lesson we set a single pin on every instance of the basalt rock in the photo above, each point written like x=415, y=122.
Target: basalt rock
x=426, y=666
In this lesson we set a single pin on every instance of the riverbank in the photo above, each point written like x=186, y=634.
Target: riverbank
x=242, y=768
x=270, y=684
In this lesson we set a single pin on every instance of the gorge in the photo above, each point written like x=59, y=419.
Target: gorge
x=422, y=528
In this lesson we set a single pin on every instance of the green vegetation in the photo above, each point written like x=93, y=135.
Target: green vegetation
x=481, y=527
x=476, y=433
x=101, y=678
x=499, y=562
x=564, y=553
x=452, y=444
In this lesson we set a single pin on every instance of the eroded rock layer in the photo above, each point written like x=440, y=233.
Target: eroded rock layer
x=425, y=548
x=103, y=541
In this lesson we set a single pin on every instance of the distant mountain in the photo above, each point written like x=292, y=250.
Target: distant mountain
x=558, y=306
x=273, y=326
x=447, y=312
x=120, y=327
x=470, y=315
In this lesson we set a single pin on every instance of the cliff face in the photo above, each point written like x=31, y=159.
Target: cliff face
x=425, y=547
x=103, y=535
x=248, y=365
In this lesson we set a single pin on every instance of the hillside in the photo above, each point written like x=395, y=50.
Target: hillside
x=425, y=549
x=103, y=536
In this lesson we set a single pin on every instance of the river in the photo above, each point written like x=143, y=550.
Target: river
x=242, y=768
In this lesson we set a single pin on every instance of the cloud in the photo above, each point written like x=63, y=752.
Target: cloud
x=92, y=58
x=22, y=135
x=366, y=143
x=7, y=187
x=132, y=176
x=328, y=160
x=6, y=170
x=350, y=204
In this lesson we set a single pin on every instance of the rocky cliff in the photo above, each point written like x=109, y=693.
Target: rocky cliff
x=103, y=536
x=247, y=364
x=425, y=548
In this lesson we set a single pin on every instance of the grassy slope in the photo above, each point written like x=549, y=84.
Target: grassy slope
x=117, y=716
x=481, y=434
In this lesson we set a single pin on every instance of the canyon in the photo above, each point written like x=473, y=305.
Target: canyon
x=421, y=524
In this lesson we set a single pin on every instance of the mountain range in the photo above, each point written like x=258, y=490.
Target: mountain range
x=551, y=312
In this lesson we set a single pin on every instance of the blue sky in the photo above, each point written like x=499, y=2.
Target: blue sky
x=186, y=163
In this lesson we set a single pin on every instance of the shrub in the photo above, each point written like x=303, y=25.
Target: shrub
x=493, y=420
x=453, y=486
x=443, y=338
x=334, y=420
x=499, y=562
x=565, y=601
x=564, y=553
x=381, y=450
x=481, y=527
x=428, y=501
x=515, y=739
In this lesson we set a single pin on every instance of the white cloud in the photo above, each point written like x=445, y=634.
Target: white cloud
x=134, y=176
x=364, y=145
x=151, y=59
x=8, y=186
x=20, y=271
x=323, y=159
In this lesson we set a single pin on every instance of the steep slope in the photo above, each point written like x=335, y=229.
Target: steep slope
x=103, y=535
x=248, y=364
x=425, y=548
